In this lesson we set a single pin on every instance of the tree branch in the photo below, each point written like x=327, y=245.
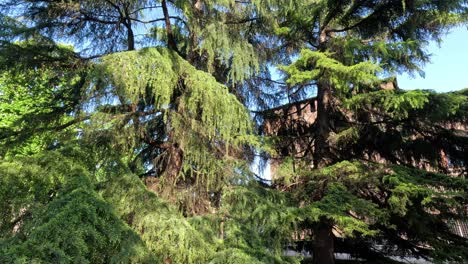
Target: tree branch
x=170, y=35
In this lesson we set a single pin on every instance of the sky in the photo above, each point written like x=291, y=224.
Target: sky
x=448, y=70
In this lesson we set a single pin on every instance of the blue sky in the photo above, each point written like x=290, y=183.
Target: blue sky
x=448, y=70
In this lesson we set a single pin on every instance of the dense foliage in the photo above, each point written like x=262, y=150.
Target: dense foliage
x=133, y=143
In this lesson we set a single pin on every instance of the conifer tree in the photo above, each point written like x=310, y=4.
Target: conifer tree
x=149, y=106
x=137, y=114
x=346, y=49
x=136, y=140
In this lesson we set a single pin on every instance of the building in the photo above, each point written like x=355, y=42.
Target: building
x=293, y=125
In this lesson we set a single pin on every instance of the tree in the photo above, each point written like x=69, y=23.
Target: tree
x=138, y=114
x=148, y=110
x=141, y=129
x=346, y=47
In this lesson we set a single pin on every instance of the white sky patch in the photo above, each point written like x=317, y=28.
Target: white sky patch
x=262, y=171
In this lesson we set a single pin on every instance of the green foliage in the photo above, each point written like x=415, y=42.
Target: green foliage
x=395, y=104
x=234, y=256
x=133, y=74
x=163, y=230
x=323, y=65
x=347, y=136
x=52, y=214
x=285, y=171
x=39, y=92
x=451, y=106
x=259, y=223
x=222, y=42
x=224, y=37
x=152, y=146
x=204, y=106
x=339, y=205
x=396, y=56
x=163, y=100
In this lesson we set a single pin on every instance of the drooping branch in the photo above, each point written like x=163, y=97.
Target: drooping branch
x=155, y=20
x=242, y=21
x=47, y=128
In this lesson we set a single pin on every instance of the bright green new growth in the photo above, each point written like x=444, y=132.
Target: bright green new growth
x=313, y=65
x=395, y=104
x=201, y=114
x=160, y=74
x=134, y=74
x=157, y=128
x=36, y=97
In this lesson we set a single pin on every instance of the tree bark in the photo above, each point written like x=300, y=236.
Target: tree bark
x=130, y=38
x=174, y=163
x=323, y=244
x=322, y=155
x=125, y=15
x=323, y=247
x=171, y=43
x=193, y=42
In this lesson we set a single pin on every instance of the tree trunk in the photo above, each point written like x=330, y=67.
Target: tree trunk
x=171, y=42
x=130, y=38
x=323, y=247
x=192, y=52
x=174, y=163
x=128, y=24
x=322, y=155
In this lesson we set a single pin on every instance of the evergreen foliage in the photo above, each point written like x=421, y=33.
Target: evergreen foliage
x=52, y=213
x=36, y=98
x=168, y=107
x=133, y=145
x=159, y=226
x=360, y=118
